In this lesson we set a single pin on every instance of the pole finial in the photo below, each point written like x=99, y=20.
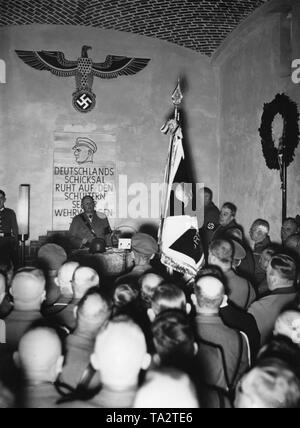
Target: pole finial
x=177, y=98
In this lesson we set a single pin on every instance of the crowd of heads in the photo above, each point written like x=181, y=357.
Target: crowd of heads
x=149, y=338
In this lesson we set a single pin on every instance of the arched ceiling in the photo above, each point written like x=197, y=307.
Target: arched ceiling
x=200, y=25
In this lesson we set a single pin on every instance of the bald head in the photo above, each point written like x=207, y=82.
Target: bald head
x=65, y=276
x=40, y=355
x=288, y=324
x=93, y=311
x=28, y=289
x=84, y=278
x=209, y=292
x=167, y=388
x=120, y=353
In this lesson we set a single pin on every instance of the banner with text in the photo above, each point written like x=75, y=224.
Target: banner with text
x=82, y=166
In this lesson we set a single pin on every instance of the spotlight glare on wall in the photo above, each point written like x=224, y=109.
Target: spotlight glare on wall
x=23, y=210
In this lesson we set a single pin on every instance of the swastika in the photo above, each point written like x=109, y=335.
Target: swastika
x=84, y=102
x=196, y=240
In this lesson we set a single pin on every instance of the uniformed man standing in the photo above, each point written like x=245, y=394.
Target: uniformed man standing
x=211, y=219
x=8, y=230
x=87, y=226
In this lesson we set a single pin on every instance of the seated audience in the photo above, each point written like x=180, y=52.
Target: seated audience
x=7, y=268
x=64, y=278
x=288, y=324
x=281, y=276
x=40, y=358
x=167, y=388
x=120, y=354
x=174, y=340
x=271, y=385
x=125, y=295
x=92, y=313
x=63, y=281
x=293, y=243
x=259, y=234
x=168, y=296
x=264, y=260
x=281, y=347
x=51, y=257
x=223, y=354
x=6, y=306
x=84, y=278
x=289, y=227
x=127, y=301
x=241, y=292
x=7, y=399
x=148, y=284
x=28, y=291
x=235, y=317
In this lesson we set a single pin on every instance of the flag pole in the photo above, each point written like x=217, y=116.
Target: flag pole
x=177, y=98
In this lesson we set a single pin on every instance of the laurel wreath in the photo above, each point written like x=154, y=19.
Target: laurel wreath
x=288, y=109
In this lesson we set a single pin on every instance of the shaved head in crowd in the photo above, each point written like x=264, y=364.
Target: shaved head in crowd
x=65, y=276
x=209, y=293
x=120, y=353
x=84, y=278
x=93, y=311
x=40, y=355
x=28, y=289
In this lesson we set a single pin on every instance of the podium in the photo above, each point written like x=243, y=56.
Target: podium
x=112, y=263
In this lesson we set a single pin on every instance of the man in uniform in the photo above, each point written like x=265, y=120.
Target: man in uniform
x=88, y=226
x=228, y=225
x=8, y=230
x=211, y=219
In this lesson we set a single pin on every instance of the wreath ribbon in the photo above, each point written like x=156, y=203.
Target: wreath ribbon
x=288, y=109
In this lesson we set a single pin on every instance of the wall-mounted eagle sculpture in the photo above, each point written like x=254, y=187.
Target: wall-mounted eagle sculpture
x=84, y=70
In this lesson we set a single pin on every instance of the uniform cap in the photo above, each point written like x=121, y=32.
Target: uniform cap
x=84, y=141
x=52, y=255
x=144, y=244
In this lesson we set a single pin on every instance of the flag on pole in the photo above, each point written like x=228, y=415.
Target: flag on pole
x=180, y=243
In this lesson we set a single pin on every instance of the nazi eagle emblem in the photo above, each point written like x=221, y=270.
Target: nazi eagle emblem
x=84, y=70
